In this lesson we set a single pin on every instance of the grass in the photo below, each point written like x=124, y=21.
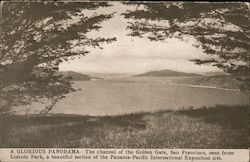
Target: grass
x=213, y=127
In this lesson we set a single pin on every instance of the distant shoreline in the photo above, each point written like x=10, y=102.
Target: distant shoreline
x=208, y=87
x=186, y=85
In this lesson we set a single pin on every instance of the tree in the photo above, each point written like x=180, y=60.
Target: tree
x=221, y=29
x=35, y=38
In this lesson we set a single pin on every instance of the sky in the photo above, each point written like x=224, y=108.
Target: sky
x=132, y=55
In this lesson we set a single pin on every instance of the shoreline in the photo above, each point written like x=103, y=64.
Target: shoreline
x=208, y=87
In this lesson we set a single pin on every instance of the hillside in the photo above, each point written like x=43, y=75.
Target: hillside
x=139, y=130
x=167, y=73
x=75, y=76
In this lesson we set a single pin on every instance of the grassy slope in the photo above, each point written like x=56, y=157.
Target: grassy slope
x=216, y=127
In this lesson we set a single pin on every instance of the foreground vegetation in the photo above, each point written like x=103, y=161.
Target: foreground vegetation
x=213, y=127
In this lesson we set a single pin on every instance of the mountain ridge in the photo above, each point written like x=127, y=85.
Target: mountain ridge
x=166, y=72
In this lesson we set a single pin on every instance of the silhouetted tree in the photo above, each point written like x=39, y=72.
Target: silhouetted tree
x=221, y=29
x=35, y=38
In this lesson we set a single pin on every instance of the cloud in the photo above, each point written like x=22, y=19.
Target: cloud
x=135, y=55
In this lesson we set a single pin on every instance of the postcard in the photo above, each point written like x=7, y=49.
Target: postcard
x=124, y=81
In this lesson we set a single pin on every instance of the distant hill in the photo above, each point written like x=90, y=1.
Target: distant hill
x=167, y=73
x=75, y=75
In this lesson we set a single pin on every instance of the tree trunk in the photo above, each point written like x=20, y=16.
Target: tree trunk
x=49, y=107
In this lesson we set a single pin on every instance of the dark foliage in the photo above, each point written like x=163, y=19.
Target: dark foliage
x=221, y=29
x=35, y=38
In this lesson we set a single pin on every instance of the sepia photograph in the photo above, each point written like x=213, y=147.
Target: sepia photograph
x=124, y=75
